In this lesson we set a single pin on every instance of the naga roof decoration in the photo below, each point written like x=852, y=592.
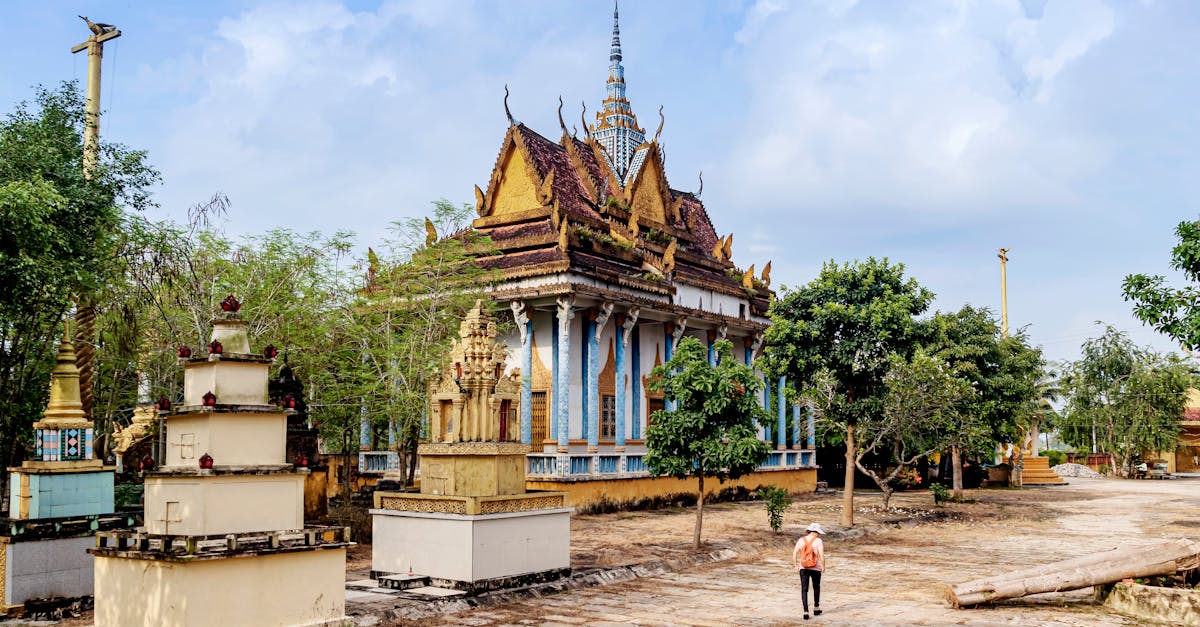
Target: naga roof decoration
x=601, y=206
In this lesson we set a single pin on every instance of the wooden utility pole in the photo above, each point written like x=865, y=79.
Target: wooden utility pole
x=1003, y=291
x=85, y=314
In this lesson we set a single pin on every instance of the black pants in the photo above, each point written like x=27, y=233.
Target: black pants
x=805, y=575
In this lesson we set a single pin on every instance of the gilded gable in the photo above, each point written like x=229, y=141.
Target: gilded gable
x=649, y=194
x=516, y=189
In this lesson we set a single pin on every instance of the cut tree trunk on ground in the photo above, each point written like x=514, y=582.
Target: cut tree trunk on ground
x=1163, y=558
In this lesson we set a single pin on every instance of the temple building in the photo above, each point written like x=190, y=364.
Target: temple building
x=606, y=267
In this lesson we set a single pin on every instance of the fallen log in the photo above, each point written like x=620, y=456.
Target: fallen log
x=1164, y=558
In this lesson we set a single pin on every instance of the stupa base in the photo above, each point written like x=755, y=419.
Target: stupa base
x=276, y=578
x=493, y=540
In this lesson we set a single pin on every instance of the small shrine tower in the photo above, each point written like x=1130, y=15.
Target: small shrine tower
x=473, y=526
x=56, y=500
x=224, y=541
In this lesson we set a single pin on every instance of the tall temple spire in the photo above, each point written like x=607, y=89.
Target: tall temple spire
x=616, y=127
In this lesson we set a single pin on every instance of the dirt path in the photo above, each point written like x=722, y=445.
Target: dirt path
x=892, y=576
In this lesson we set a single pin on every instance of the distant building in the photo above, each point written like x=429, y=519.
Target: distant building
x=606, y=268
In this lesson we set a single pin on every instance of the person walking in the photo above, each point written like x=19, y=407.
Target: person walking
x=809, y=560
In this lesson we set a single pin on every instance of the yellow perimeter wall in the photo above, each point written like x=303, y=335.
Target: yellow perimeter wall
x=582, y=494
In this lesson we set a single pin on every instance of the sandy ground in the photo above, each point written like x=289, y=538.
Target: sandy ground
x=891, y=569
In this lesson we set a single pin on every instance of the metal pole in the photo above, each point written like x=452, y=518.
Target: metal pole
x=1003, y=291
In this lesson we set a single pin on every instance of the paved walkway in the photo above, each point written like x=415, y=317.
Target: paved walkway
x=896, y=576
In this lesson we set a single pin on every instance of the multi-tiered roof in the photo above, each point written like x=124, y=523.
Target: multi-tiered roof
x=601, y=205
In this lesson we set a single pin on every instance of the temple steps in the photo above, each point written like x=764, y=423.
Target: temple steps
x=1037, y=471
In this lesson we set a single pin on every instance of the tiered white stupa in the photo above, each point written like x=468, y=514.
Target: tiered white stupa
x=224, y=541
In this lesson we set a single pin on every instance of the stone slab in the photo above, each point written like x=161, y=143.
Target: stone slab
x=436, y=592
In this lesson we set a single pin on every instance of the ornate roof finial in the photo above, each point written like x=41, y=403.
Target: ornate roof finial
x=511, y=120
x=560, y=118
x=583, y=120
x=616, y=128
x=661, y=120
x=615, y=54
x=701, y=190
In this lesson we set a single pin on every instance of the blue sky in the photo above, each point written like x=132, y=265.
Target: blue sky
x=929, y=132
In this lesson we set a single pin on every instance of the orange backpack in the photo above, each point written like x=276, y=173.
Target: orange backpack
x=808, y=555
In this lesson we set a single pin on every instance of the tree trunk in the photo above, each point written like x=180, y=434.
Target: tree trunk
x=956, y=469
x=848, y=494
x=887, y=496
x=699, y=512
x=1163, y=558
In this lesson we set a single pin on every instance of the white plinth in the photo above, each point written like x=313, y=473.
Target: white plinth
x=289, y=589
x=468, y=548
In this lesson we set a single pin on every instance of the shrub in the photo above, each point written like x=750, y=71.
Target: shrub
x=777, y=500
x=1056, y=457
x=941, y=493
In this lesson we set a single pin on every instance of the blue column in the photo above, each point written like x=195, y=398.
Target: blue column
x=712, y=351
x=796, y=426
x=636, y=383
x=669, y=351
x=364, y=427
x=749, y=353
x=527, y=382
x=812, y=429
x=554, y=392
x=565, y=313
x=766, y=406
x=588, y=327
x=593, y=384
x=781, y=422
x=621, y=383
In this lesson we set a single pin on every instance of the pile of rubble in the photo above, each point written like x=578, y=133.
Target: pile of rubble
x=1075, y=470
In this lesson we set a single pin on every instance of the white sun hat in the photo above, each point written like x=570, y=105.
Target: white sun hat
x=816, y=527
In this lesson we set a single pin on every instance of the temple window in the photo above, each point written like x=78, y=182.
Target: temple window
x=608, y=417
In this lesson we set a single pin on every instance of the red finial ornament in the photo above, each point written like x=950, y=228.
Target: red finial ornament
x=288, y=401
x=230, y=304
x=184, y=352
x=270, y=352
x=215, y=347
x=210, y=399
x=163, y=404
x=302, y=461
x=147, y=462
x=206, y=462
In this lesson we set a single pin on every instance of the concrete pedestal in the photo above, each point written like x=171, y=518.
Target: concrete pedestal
x=288, y=588
x=468, y=550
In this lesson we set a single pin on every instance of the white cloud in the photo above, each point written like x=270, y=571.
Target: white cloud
x=924, y=107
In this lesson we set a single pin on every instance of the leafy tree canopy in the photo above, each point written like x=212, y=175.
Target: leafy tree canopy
x=1123, y=399
x=1172, y=310
x=712, y=430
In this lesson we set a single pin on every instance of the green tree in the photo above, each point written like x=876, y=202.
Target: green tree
x=920, y=414
x=403, y=322
x=712, y=430
x=1172, y=310
x=839, y=334
x=1123, y=400
x=1004, y=373
x=57, y=239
